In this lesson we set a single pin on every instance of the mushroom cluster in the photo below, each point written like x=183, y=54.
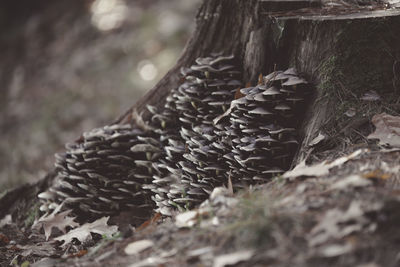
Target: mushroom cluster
x=208, y=131
x=207, y=93
x=167, y=174
x=192, y=166
x=103, y=172
x=263, y=125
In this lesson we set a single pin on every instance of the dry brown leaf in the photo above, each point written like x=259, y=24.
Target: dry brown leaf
x=83, y=233
x=55, y=219
x=4, y=240
x=387, y=129
x=238, y=94
x=149, y=222
x=260, y=79
x=78, y=254
x=376, y=174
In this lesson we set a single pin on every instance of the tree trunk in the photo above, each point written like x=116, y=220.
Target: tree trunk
x=345, y=51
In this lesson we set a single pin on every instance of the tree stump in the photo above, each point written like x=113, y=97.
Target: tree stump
x=345, y=49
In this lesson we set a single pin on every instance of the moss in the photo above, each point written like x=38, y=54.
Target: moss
x=364, y=53
x=361, y=60
x=329, y=75
x=3, y=193
x=253, y=226
x=32, y=215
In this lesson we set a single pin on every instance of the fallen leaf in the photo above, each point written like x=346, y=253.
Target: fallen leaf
x=138, y=246
x=42, y=249
x=4, y=240
x=221, y=191
x=302, y=169
x=55, y=219
x=322, y=168
x=390, y=169
x=342, y=160
x=151, y=261
x=260, y=79
x=200, y=251
x=351, y=112
x=6, y=220
x=83, y=233
x=320, y=137
x=78, y=254
x=190, y=218
x=336, y=224
x=371, y=96
x=335, y=250
x=387, y=129
x=349, y=182
x=376, y=174
x=186, y=219
x=149, y=222
x=238, y=94
x=232, y=258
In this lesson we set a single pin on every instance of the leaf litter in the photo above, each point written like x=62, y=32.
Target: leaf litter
x=330, y=211
x=56, y=219
x=83, y=233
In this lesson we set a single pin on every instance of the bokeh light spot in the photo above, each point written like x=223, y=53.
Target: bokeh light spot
x=147, y=70
x=108, y=14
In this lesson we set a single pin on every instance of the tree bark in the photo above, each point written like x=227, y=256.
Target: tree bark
x=343, y=55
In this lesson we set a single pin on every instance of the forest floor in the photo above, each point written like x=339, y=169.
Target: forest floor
x=341, y=212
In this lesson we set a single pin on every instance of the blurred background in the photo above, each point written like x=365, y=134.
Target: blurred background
x=69, y=66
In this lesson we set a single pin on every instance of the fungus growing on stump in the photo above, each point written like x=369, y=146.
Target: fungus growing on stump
x=198, y=140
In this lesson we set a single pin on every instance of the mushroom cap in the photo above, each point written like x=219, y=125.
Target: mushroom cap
x=294, y=81
x=260, y=111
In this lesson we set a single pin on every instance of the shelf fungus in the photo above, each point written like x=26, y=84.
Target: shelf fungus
x=207, y=132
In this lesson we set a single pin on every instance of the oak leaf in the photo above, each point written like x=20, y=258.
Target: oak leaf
x=387, y=129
